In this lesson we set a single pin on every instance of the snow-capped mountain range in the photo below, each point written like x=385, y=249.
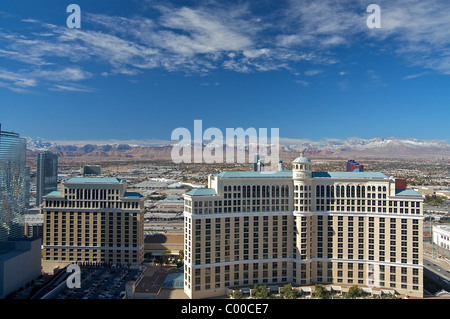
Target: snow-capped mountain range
x=359, y=143
x=355, y=147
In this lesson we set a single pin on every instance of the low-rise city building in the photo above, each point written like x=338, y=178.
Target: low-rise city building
x=441, y=236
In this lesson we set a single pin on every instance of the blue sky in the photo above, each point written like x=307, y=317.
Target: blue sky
x=136, y=70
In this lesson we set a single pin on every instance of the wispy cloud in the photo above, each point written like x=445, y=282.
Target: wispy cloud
x=65, y=74
x=72, y=88
x=198, y=39
x=210, y=35
x=302, y=82
x=321, y=24
x=421, y=31
x=313, y=72
x=17, y=79
x=417, y=31
x=413, y=76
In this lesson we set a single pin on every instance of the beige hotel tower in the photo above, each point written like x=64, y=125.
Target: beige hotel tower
x=305, y=228
x=92, y=221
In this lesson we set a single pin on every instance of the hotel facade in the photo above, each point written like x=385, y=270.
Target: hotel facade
x=93, y=221
x=305, y=228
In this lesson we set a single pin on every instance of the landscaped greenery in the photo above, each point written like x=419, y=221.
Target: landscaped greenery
x=260, y=292
x=320, y=292
x=289, y=293
x=168, y=259
x=434, y=200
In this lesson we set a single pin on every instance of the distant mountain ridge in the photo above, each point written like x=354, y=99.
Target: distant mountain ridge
x=391, y=147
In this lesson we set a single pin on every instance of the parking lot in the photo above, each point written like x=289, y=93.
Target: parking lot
x=101, y=283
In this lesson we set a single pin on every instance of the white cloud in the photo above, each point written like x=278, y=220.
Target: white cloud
x=313, y=72
x=321, y=24
x=210, y=35
x=192, y=40
x=17, y=79
x=421, y=31
x=65, y=74
x=67, y=88
x=418, y=31
x=302, y=82
x=207, y=31
x=256, y=53
x=413, y=76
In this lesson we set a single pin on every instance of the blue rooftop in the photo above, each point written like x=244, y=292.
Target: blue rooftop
x=133, y=194
x=288, y=174
x=202, y=192
x=406, y=192
x=94, y=180
x=54, y=194
x=253, y=174
x=350, y=174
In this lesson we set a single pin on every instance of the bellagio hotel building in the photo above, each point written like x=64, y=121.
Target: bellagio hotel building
x=305, y=228
x=92, y=221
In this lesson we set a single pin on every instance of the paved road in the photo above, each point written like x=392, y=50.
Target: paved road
x=436, y=268
x=443, y=262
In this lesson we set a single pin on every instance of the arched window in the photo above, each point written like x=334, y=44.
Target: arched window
x=353, y=191
x=244, y=191
x=317, y=191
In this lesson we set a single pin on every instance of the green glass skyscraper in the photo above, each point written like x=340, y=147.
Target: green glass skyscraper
x=46, y=175
x=12, y=184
